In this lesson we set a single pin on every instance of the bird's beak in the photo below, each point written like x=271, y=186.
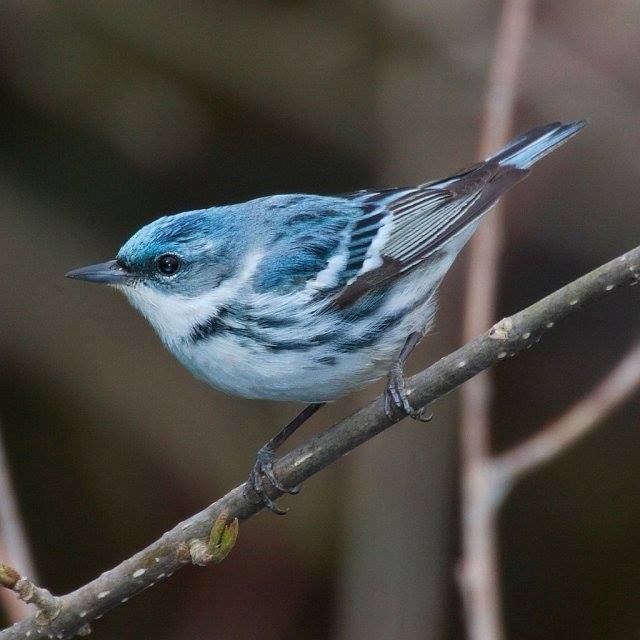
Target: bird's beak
x=105, y=273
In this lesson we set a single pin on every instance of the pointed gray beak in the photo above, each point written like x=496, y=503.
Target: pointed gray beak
x=105, y=273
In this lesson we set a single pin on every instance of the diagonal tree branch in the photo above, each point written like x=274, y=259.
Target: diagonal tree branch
x=174, y=549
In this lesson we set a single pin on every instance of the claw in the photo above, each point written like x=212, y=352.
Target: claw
x=397, y=400
x=267, y=469
x=263, y=470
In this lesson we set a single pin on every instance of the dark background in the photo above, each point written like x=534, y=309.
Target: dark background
x=116, y=112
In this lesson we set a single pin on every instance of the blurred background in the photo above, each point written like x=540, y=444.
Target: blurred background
x=116, y=112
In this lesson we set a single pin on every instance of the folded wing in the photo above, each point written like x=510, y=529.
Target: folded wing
x=402, y=229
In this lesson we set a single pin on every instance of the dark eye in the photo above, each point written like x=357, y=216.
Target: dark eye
x=168, y=264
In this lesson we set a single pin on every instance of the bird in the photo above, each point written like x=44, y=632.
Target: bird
x=301, y=297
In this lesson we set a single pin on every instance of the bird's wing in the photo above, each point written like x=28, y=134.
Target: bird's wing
x=340, y=248
x=401, y=230
x=345, y=247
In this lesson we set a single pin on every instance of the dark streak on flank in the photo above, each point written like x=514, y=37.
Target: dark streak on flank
x=210, y=326
x=365, y=306
x=370, y=337
x=236, y=323
x=265, y=322
x=300, y=345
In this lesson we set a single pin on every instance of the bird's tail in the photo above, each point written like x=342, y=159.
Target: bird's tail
x=525, y=150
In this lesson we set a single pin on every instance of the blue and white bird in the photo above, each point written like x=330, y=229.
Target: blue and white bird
x=308, y=297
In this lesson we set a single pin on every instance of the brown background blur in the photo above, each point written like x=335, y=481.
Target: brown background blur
x=116, y=112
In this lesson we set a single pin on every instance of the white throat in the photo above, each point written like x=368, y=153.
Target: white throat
x=173, y=316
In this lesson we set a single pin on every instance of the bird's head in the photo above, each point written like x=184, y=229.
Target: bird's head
x=171, y=265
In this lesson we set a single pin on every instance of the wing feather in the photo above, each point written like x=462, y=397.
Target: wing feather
x=415, y=224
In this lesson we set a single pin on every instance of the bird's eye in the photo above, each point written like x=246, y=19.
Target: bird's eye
x=168, y=264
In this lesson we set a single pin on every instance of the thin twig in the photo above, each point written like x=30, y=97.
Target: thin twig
x=14, y=548
x=558, y=436
x=173, y=550
x=47, y=604
x=479, y=565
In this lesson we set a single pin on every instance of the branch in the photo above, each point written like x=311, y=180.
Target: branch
x=558, y=436
x=48, y=605
x=174, y=549
x=481, y=597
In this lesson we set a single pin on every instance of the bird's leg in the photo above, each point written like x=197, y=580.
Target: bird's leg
x=396, y=397
x=263, y=467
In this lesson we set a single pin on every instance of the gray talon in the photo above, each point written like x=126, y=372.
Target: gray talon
x=397, y=400
x=267, y=469
x=263, y=472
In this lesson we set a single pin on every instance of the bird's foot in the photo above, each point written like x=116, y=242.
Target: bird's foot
x=261, y=474
x=396, y=398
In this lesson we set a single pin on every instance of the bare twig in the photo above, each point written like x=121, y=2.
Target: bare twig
x=14, y=548
x=558, y=436
x=47, y=604
x=479, y=579
x=173, y=550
